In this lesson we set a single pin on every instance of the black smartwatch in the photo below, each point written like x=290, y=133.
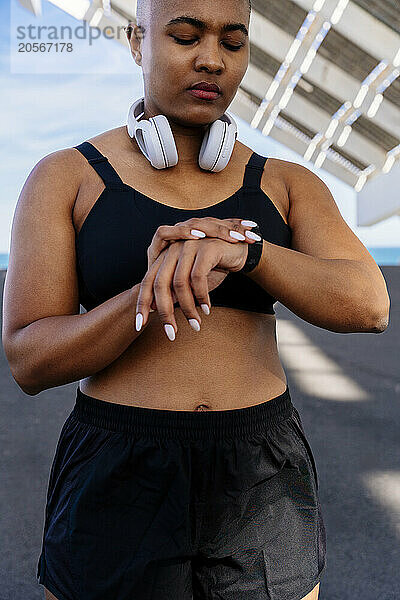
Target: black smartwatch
x=254, y=253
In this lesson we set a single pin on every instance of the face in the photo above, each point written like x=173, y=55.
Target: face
x=176, y=56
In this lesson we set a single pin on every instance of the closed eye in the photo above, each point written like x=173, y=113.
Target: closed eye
x=188, y=42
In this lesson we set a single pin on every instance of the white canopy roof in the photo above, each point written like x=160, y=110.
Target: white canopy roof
x=322, y=79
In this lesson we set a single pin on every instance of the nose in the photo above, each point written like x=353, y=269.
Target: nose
x=209, y=57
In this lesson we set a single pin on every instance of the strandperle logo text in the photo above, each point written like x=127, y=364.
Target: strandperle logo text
x=65, y=32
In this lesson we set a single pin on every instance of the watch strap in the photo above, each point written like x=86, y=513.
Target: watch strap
x=254, y=253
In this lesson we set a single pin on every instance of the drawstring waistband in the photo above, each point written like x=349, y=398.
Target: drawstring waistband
x=161, y=423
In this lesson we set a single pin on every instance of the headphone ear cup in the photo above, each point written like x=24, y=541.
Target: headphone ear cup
x=154, y=137
x=227, y=147
x=167, y=154
x=144, y=135
x=212, y=145
x=217, y=147
x=204, y=154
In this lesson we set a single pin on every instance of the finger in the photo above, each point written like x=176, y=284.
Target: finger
x=145, y=295
x=205, y=260
x=229, y=230
x=153, y=305
x=182, y=281
x=209, y=225
x=232, y=230
x=163, y=293
x=165, y=234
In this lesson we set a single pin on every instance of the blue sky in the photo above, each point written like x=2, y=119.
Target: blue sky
x=51, y=102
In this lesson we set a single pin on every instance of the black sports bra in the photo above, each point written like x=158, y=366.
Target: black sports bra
x=111, y=246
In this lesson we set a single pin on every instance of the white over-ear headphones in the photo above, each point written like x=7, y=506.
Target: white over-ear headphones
x=156, y=140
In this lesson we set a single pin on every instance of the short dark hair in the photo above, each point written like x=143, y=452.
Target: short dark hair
x=143, y=8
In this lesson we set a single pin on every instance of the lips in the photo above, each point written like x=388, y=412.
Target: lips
x=207, y=87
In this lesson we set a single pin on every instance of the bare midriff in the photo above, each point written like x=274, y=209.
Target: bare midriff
x=232, y=362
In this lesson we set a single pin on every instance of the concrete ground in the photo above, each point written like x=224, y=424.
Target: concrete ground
x=347, y=390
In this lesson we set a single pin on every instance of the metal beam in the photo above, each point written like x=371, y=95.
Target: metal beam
x=322, y=73
x=373, y=36
x=309, y=114
x=245, y=108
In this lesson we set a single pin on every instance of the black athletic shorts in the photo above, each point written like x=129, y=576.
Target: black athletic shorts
x=151, y=504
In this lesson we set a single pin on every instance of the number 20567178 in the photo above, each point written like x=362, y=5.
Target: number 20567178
x=45, y=47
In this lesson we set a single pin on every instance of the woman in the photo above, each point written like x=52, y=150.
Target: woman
x=183, y=470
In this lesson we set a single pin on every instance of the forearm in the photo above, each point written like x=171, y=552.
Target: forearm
x=57, y=350
x=335, y=294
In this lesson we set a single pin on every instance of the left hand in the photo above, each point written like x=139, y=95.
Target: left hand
x=183, y=269
x=230, y=230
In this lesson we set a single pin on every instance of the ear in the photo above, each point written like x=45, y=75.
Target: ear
x=134, y=34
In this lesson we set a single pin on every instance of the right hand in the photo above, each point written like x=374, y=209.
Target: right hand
x=211, y=227
x=214, y=278
x=182, y=271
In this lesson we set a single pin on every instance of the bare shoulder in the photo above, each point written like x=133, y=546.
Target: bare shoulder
x=62, y=164
x=317, y=225
x=280, y=169
x=112, y=140
x=275, y=184
x=281, y=179
x=61, y=174
x=53, y=181
x=116, y=145
x=296, y=175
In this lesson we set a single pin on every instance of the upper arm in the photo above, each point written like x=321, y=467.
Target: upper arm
x=318, y=228
x=41, y=278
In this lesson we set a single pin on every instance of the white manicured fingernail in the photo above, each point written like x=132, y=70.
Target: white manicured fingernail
x=205, y=308
x=249, y=224
x=195, y=324
x=237, y=236
x=170, y=331
x=139, y=321
x=253, y=236
x=198, y=233
x=151, y=309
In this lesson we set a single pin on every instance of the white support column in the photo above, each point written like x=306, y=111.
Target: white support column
x=379, y=199
x=34, y=6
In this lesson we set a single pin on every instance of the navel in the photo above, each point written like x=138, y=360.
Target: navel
x=202, y=407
